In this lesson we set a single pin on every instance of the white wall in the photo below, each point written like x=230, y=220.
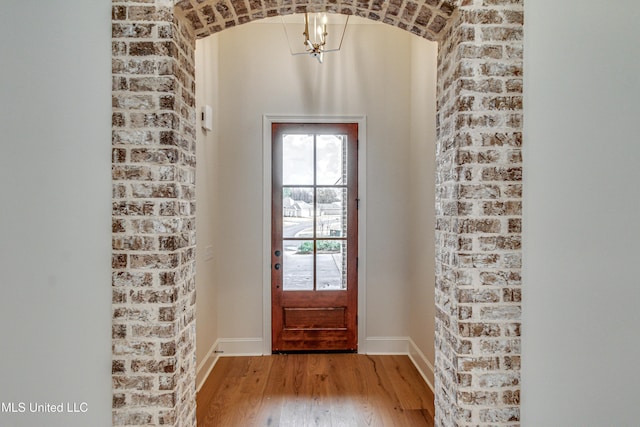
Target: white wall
x=55, y=219
x=581, y=231
x=422, y=195
x=206, y=203
x=258, y=76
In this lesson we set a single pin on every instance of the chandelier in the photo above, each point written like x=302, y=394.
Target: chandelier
x=315, y=29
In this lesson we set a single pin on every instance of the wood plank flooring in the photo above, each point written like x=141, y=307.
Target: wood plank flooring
x=322, y=390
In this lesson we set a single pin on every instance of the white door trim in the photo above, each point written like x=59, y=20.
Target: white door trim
x=267, y=120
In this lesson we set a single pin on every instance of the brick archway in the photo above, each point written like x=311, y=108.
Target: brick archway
x=478, y=198
x=426, y=18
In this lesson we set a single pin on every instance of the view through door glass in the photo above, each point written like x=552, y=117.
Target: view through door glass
x=314, y=241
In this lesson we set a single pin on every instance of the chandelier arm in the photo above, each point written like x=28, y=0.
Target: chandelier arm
x=344, y=30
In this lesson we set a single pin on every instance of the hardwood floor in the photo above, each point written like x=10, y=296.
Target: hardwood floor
x=324, y=390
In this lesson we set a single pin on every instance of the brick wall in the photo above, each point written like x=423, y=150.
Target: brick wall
x=478, y=199
x=153, y=216
x=478, y=216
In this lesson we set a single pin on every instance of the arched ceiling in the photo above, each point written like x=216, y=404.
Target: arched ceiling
x=425, y=18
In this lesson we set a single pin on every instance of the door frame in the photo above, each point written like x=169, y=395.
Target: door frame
x=267, y=121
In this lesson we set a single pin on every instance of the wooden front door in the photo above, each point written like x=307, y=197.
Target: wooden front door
x=314, y=243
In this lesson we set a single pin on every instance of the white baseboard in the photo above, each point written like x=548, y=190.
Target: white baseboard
x=241, y=347
x=386, y=345
x=206, y=365
x=422, y=364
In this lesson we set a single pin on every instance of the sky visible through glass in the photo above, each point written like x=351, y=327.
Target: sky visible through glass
x=298, y=160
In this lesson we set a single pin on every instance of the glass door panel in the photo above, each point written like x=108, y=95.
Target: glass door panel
x=298, y=212
x=331, y=272
x=331, y=160
x=331, y=218
x=314, y=195
x=298, y=265
x=298, y=159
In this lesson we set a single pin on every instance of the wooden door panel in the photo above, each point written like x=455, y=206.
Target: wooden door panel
x=314, y=238
x=316, y=340
x=327, y=318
